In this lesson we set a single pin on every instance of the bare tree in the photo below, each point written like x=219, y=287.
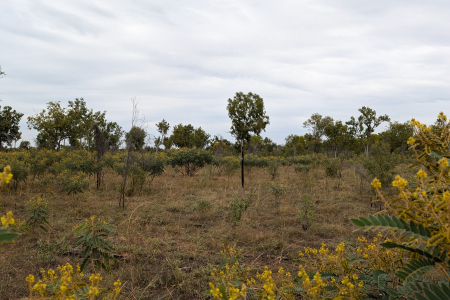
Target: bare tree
x=135, y=122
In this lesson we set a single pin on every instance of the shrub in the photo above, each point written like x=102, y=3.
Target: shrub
x=70, y=283
x=73, y=183
x=278, y=190
x=238, y=206
x=37, y=213
x=190, y=160
x=332, y=166
x=93, y=234
x=272, y=168
x=381, y=163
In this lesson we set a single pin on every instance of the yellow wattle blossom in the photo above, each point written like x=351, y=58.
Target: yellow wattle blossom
x=399, y=182
x=421, y=174
x=376, y=183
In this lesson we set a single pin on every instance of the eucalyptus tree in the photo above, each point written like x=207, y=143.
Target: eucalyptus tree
x=365, y=125
x=163, y=128
x=247, y=116
x=316, y=125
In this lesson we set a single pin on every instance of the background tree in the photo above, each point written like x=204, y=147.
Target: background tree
x=338, y=137
x=24, y=145
x=52, y=125
x=163, y=128
x=247, y=116
x=9, y=126
x=365, y=125
x=295, y=145
x=186, y=136
x=136, y=138
x=397, y=135
x=80, y=121
x=316, y=125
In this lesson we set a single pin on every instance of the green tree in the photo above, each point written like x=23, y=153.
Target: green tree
x=365, y=125
x=9, y=126
x=24, y=145
x=136, y=138
x=397, y=135
x=186, y=136
x=295, y=145
x=80, y=122
x=339, y=136
x=316, y=125
x=247, y=116
x=163, y=128
x=52, y=125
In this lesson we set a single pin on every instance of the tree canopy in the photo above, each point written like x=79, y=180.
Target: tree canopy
x=9, y=126
x=247, y=115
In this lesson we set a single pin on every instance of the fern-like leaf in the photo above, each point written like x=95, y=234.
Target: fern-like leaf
x=415, y=269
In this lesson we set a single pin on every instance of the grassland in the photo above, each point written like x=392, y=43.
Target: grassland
x=167, y=247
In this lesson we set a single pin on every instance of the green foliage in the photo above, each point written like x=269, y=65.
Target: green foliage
x=203, y=207
x=37, y=209
x=190, y=160
x=302, y=168
x=332, y=166
x=247, y=115
x=381, y=163
x=295, y=145
x=397, y=135
x=272, y=168
x=317, y=125
x=135, y=138
x=92, y=238
x=365, y=125
x=238, y=206
x=73, y=183
x=278, y=190
x=186, y=136
x=306, y=211
x=6, y=235
x=9, y=126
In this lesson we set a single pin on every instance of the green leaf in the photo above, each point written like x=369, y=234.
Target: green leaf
x=415, y=269
x=358, y=223
x=7, y=236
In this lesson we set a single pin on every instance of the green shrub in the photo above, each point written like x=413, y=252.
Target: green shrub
x=238, y=206
x=381, y=163
x=190, y=160
x=92, y=237
x=37, y=213
x=272, y=168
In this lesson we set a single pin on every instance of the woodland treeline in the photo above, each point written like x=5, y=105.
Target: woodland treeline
x=73, y=128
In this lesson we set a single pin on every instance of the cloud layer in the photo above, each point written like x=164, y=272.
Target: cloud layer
x=182, y=60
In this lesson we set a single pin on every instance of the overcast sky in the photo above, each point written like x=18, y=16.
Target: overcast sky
x=182, y=60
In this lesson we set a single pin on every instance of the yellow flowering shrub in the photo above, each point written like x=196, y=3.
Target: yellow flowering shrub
x=70, y=283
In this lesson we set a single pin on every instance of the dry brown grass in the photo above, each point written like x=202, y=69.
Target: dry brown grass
x=170, y=249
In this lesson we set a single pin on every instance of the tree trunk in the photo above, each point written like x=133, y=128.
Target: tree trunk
x=242, y=167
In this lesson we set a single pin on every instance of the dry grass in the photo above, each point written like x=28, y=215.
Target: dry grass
x=169, y=248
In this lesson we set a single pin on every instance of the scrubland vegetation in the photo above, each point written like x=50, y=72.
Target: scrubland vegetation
x=97, y=220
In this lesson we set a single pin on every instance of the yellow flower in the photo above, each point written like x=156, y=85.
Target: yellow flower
x=411, y=141
x=30, y=278
x=421, y=174
x=376, y=183
x=399, y=182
